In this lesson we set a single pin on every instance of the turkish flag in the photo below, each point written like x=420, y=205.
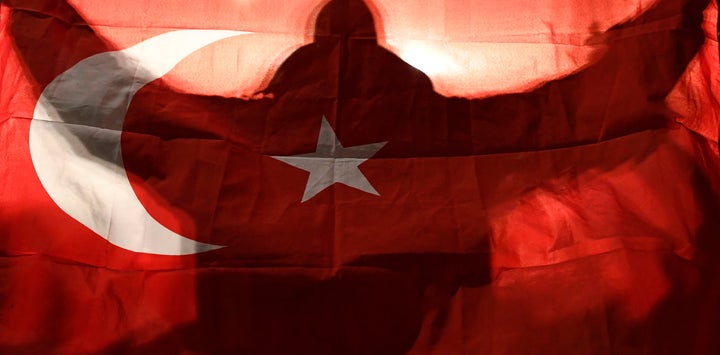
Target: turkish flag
x=350, y=177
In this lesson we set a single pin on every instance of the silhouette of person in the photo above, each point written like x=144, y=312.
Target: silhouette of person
x=370, y=95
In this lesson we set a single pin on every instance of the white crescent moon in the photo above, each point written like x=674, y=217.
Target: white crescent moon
x=75, y=140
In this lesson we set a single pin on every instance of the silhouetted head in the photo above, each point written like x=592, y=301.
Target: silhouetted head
x=346, y=56
x=345, y=18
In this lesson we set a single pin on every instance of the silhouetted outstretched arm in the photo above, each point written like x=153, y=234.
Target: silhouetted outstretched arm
x=623, y=92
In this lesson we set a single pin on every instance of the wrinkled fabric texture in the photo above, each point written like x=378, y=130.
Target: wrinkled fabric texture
x=550, y=181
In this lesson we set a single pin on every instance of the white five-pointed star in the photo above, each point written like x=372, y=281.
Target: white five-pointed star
x=332, y=163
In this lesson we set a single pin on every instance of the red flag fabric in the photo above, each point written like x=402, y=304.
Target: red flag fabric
x=351, y=177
